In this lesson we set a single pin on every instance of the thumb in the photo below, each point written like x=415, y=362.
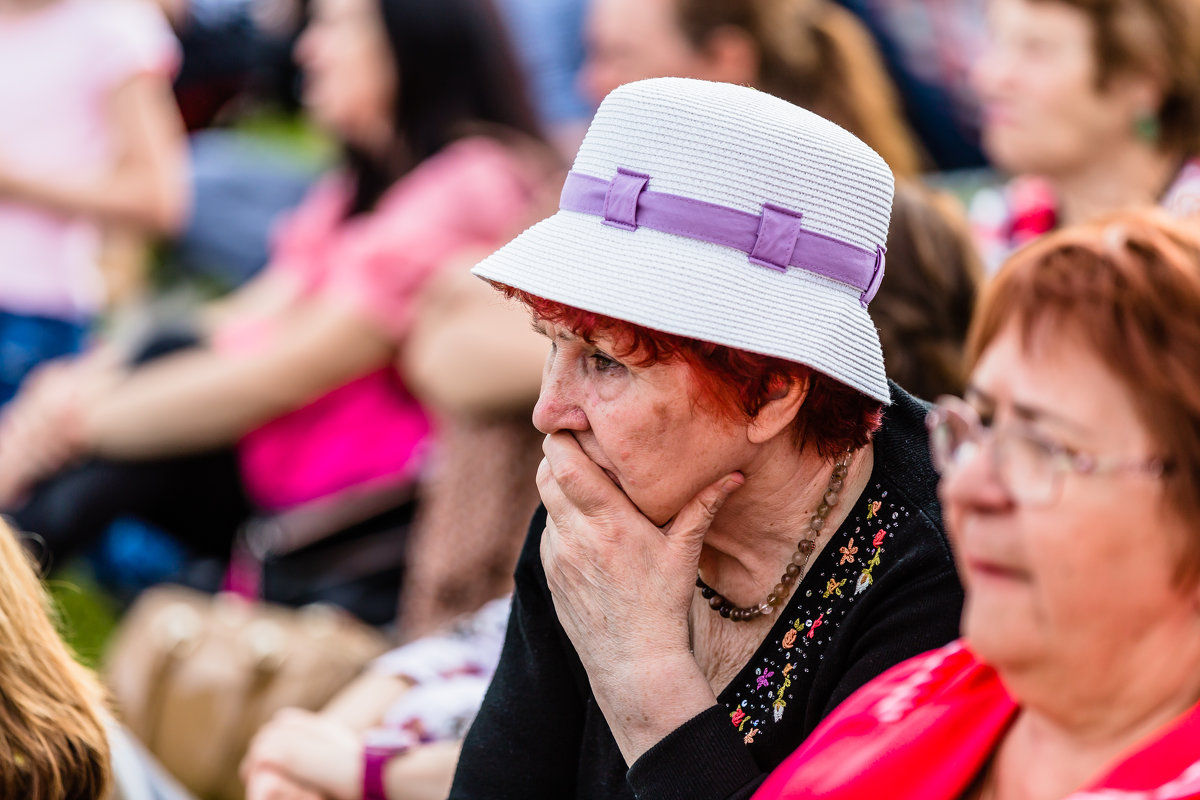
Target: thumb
x=694, y=519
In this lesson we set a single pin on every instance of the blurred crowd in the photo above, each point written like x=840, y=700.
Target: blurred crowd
x=241, y=351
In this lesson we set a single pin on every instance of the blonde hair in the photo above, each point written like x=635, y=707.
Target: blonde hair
x=53, y=744
x=816, y=54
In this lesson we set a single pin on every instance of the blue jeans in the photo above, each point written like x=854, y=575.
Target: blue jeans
x=26, y=341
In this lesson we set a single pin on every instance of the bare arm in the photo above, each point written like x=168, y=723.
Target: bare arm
x=364, y=701
x=202, y=398
x=147, y=187
x=471, y=350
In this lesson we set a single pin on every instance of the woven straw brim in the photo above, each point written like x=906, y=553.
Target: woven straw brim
x=691, y=288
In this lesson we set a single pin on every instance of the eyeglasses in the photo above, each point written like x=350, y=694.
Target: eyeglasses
x=1029, y=467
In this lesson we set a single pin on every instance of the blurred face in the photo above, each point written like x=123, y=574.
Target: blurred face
x=630, y=40
x=642, y=425
x=349, y=72
x=1042, y=111
x=1077, y=579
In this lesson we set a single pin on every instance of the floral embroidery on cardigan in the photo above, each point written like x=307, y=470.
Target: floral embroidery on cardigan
x=841, y=573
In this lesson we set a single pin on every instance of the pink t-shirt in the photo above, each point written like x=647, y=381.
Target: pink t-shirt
x=59, y=65
x=474, y=194
x=926, y=728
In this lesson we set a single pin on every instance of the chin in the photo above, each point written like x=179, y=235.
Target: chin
x=997, y=633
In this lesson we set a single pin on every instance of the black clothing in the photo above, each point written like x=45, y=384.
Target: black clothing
x=882, y=589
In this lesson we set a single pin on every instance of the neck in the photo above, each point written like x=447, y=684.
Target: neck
x=1077, y=720
x=756, y=532
x=1135, y=175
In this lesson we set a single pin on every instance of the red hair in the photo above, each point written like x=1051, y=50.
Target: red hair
x=735, y=383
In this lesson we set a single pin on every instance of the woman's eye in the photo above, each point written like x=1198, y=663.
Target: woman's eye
x=604, y=363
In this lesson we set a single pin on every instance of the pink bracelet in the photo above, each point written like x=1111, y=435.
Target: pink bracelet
x=375, y=758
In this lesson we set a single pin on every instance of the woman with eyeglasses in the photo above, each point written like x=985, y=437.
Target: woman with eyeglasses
x=1071, y=489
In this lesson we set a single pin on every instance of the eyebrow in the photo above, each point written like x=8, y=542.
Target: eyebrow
x=539, y=327
x=1024, y=411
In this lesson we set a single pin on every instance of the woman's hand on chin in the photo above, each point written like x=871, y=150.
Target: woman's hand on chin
x=622, y=590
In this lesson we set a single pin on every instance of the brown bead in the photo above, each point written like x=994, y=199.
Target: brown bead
x=772, y=599
x=836, y=484
x=716, y=601
x=799, y=558
x=707, y=592
x=779, y=591
x=823, y=510
x=816, y=524
x=786, y=580
x=726, y=609
x=832, y=497
x=806, y=546
x=792, y=571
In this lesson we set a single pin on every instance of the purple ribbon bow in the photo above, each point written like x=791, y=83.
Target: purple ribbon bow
x=775, y=238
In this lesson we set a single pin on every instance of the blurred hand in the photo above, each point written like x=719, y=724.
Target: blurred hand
x=39, y=430
x=622, y=587
x=310, y=750
x=265, y=783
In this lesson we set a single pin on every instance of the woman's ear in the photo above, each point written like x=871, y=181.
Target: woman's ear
x=786, y=396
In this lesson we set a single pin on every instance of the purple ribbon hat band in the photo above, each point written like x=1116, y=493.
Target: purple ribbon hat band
x=775, y=238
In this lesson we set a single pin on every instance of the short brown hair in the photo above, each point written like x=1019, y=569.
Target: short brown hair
x=53, y=744
x=1159, y=38
x=1130, y=285
x=816, y=54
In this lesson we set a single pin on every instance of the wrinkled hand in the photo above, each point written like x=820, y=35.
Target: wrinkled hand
x=622, y=587
x=266, y=783
x=310, y=750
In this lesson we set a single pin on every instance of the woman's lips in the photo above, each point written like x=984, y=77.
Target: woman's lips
x=983, y=568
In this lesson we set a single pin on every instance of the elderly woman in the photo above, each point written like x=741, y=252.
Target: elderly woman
x=1092, y=107
x=1071, y=477
x=741, y=526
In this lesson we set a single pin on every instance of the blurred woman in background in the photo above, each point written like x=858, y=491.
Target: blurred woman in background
x=1093, y=107
x=91, y=147
x=812, y=53
x=290, y=391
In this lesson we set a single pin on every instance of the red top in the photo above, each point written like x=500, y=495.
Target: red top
x=926, y=728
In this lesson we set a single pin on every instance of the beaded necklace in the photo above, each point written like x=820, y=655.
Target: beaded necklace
x=795, y=568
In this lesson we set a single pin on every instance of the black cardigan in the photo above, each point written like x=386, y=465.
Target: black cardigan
x=882, y=590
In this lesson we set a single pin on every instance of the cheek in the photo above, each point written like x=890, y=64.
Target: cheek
x=644, y=445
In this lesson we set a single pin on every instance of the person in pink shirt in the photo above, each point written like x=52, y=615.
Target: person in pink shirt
x=1071, y=489
x=290, y=393
x=90, y=141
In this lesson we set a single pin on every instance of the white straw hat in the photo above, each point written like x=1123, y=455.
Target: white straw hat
x=723, y=214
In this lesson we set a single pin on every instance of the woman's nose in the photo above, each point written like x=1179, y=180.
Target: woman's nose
x=975, y=479
x=557, y=406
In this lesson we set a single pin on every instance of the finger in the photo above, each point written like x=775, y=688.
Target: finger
x=692, y=522
x=582, y=482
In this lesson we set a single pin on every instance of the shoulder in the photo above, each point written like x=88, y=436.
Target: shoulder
x=1005, y=217
x=1183, y=197
x=903, y=464
x=920, y=711
x=471, y=169
x=140, y=31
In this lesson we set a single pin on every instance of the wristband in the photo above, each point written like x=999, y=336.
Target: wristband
x=375, y=758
